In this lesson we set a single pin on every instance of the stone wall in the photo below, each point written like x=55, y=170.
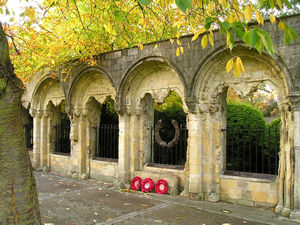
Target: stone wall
x=136, y=78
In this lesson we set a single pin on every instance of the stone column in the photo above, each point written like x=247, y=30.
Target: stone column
x=295, y=100
x=44, y=141
x=194, y=156
x=82, y=144
x=124, y=146
x=36, y=137
x=74, y=133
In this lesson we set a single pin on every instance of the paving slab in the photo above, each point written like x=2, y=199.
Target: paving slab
x=67, y=201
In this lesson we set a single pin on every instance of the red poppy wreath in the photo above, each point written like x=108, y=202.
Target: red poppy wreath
x=136, y=183
x=161, y=186
x=147, y=185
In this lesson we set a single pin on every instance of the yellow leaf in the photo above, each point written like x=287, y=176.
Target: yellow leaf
x=196, y=35
x=248, y=13
x=239, y=61
x=228, y=38
x=229, y=65
x=204, y=41
x=210, y=39
x=156, y=46
x=230, y=18
x=171, y=40
x=30, y=12
x=281, y=25
x=177, y=52
x=178, y=42
x=181, y=50
x=272, y=18
x=279, y=3
x=259, y=17
x=236, y=69
x=141, y=46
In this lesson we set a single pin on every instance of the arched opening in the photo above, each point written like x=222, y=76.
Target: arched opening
x=239, y=166
x=107, y=134
x=169, y=132
x=253, y=132
x=94, y=133
x=62, y=130
x=27, y=121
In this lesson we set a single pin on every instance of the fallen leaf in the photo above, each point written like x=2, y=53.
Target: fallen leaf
x=94, y=221
x=109, y=219
x=127, y=203
x=226, y=211
x=144, y=205
x=226, y=224
x=78, y=193
x=100, y=189
x=67, y=208
x=157, y=221
x=106, y=195
x=74, y=185
x=96, y=214
x=244, y=221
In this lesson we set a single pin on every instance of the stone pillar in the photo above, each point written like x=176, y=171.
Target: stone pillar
x=124, y=145
x=79, y=153
x=295, y=100
x=44, y=141
x=36, y=137
x=194, y=156
x=74, y=136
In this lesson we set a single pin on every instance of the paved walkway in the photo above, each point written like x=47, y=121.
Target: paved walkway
x=66, y=201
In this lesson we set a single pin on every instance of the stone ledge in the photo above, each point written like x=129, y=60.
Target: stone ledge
x=173, y=180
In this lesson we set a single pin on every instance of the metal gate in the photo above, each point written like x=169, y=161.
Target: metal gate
x=168, y=146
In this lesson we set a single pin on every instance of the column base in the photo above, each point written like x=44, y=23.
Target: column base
x=278, y=209
x=286, y=212
x=295, y=215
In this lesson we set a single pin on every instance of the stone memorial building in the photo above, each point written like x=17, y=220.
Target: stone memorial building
x=133, y=80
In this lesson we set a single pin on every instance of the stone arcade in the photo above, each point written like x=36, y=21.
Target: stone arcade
x=135, y=78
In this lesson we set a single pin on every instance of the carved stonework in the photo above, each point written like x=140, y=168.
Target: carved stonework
x=211, y=107
x=295, y=100
x=191, y=103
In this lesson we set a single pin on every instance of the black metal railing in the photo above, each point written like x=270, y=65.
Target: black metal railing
x=175, y=155
x=253, y=150
x=28, y=135
x=107, y=141
x=62, y=139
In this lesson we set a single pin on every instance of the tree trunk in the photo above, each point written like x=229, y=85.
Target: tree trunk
x=18, y=194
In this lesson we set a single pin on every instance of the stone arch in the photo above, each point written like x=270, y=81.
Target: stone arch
x=91, y=82
x=210, y=89
x=90, y=89
x=48, y=90
x=214, y=66
x=150, y=79
x=47, y=95
x=140, y=80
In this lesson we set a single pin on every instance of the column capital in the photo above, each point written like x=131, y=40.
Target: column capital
x=295, y=101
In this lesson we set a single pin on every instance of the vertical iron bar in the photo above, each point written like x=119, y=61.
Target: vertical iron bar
x=244, y=154
x=269, y=150
x=256, y=153
x=232, y=146
x=250, y=150
x=262, y=152
x=151, y=145
x=277, y=149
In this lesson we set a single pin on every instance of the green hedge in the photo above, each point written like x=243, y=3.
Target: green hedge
x=249, y=138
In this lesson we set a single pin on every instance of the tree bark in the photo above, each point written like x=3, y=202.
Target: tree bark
x=18, y=194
